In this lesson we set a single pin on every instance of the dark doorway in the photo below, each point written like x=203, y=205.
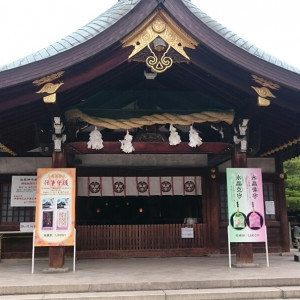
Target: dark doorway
x=137, y=210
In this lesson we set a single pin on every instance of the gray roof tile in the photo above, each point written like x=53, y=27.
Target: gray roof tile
x=96, y=26
x=238, y=41
x=119, y=10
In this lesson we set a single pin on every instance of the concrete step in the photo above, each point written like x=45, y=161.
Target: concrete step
x=275, y=293
x=71, y=287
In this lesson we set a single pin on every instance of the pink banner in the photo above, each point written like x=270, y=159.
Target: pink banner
x=245, y=205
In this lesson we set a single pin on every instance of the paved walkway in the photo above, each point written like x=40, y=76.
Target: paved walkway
x=148, y=274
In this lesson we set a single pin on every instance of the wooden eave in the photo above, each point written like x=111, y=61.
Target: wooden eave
x=151, y=148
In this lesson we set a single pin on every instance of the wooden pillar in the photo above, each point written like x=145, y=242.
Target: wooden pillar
x=214, y=211
x=284, y=224
x=244, y=251
x=57, y=254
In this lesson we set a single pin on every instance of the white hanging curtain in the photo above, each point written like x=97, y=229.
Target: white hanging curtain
x=139, y=186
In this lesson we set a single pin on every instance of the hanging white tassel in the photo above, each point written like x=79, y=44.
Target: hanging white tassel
x=174, y=138
x=219, y=130
x=126, y=144
x=195, y=139
x=95, y=141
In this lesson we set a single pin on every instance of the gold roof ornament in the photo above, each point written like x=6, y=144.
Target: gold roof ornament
x=282, y=147
x=265, y=83
x=49, y=87
x=48, y=78
x=50, y=98
x=263, y=92
x=159, y=42
x=6, y=149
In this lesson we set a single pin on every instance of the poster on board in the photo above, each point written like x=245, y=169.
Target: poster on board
x=55, y=207
x=246, y=215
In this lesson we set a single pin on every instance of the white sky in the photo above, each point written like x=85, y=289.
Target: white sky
x=27, y=26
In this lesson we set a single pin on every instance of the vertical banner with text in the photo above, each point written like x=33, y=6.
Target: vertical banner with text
x=245, y=205
x=55, y=207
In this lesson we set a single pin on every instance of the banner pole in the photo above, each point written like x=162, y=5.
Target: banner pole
x=32, y=260
x=229, y=250
x=266, y=243
x=74, y=255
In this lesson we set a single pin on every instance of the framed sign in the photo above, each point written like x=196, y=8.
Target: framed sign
x=23, y=191
x=55, y=207
x=187, y=233
x=246, y=216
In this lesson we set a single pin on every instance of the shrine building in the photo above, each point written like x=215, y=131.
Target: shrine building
x=150, y=102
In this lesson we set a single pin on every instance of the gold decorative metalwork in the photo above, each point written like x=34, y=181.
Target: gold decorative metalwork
x=159, y=25
x=263, y=101
x=264, y=92
x=48, y=78
x=159, y=65
x=50, y=98
x=50, y=88
x=265, y=83
x=205, y=116
x=6, y=149
x=284, y=146
x=282, y=176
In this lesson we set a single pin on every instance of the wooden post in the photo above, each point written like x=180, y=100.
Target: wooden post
x=284, y=224
x=244, y=251
x=214, y=211
x=57, y=254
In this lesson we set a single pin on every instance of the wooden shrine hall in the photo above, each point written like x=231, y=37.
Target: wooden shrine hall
x=150, y=102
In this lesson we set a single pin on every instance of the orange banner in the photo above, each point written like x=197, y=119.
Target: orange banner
x=55, y=207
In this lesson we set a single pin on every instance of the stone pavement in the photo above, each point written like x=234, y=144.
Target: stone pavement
x=153, y=278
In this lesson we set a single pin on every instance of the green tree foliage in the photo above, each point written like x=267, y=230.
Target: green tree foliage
x=292, y=185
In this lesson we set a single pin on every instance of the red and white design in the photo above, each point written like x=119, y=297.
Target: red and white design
x=166, y=186
x=94, y=187
x=142, y=186
x=139, y=186
x=119, y=187
x=189, y=186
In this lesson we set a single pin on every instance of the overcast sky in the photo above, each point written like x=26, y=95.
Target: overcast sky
x=27, y=26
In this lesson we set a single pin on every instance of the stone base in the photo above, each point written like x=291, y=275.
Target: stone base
x=245, y=265
x=297, y=257
x=55, y=270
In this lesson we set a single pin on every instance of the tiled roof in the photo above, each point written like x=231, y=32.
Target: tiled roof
x=119, y=10
x=235, y=39
x=90, y=30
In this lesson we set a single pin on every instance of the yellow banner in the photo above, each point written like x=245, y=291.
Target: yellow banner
x=55, y=207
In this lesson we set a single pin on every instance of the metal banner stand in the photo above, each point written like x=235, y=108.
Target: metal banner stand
x=266, y=245
x=74, y=252
x=32, y=261
x=229, y=250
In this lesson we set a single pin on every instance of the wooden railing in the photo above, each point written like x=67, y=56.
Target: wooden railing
x=138, y=237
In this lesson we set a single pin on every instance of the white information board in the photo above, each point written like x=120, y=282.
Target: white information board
x=23, y=191
x=187, y=233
